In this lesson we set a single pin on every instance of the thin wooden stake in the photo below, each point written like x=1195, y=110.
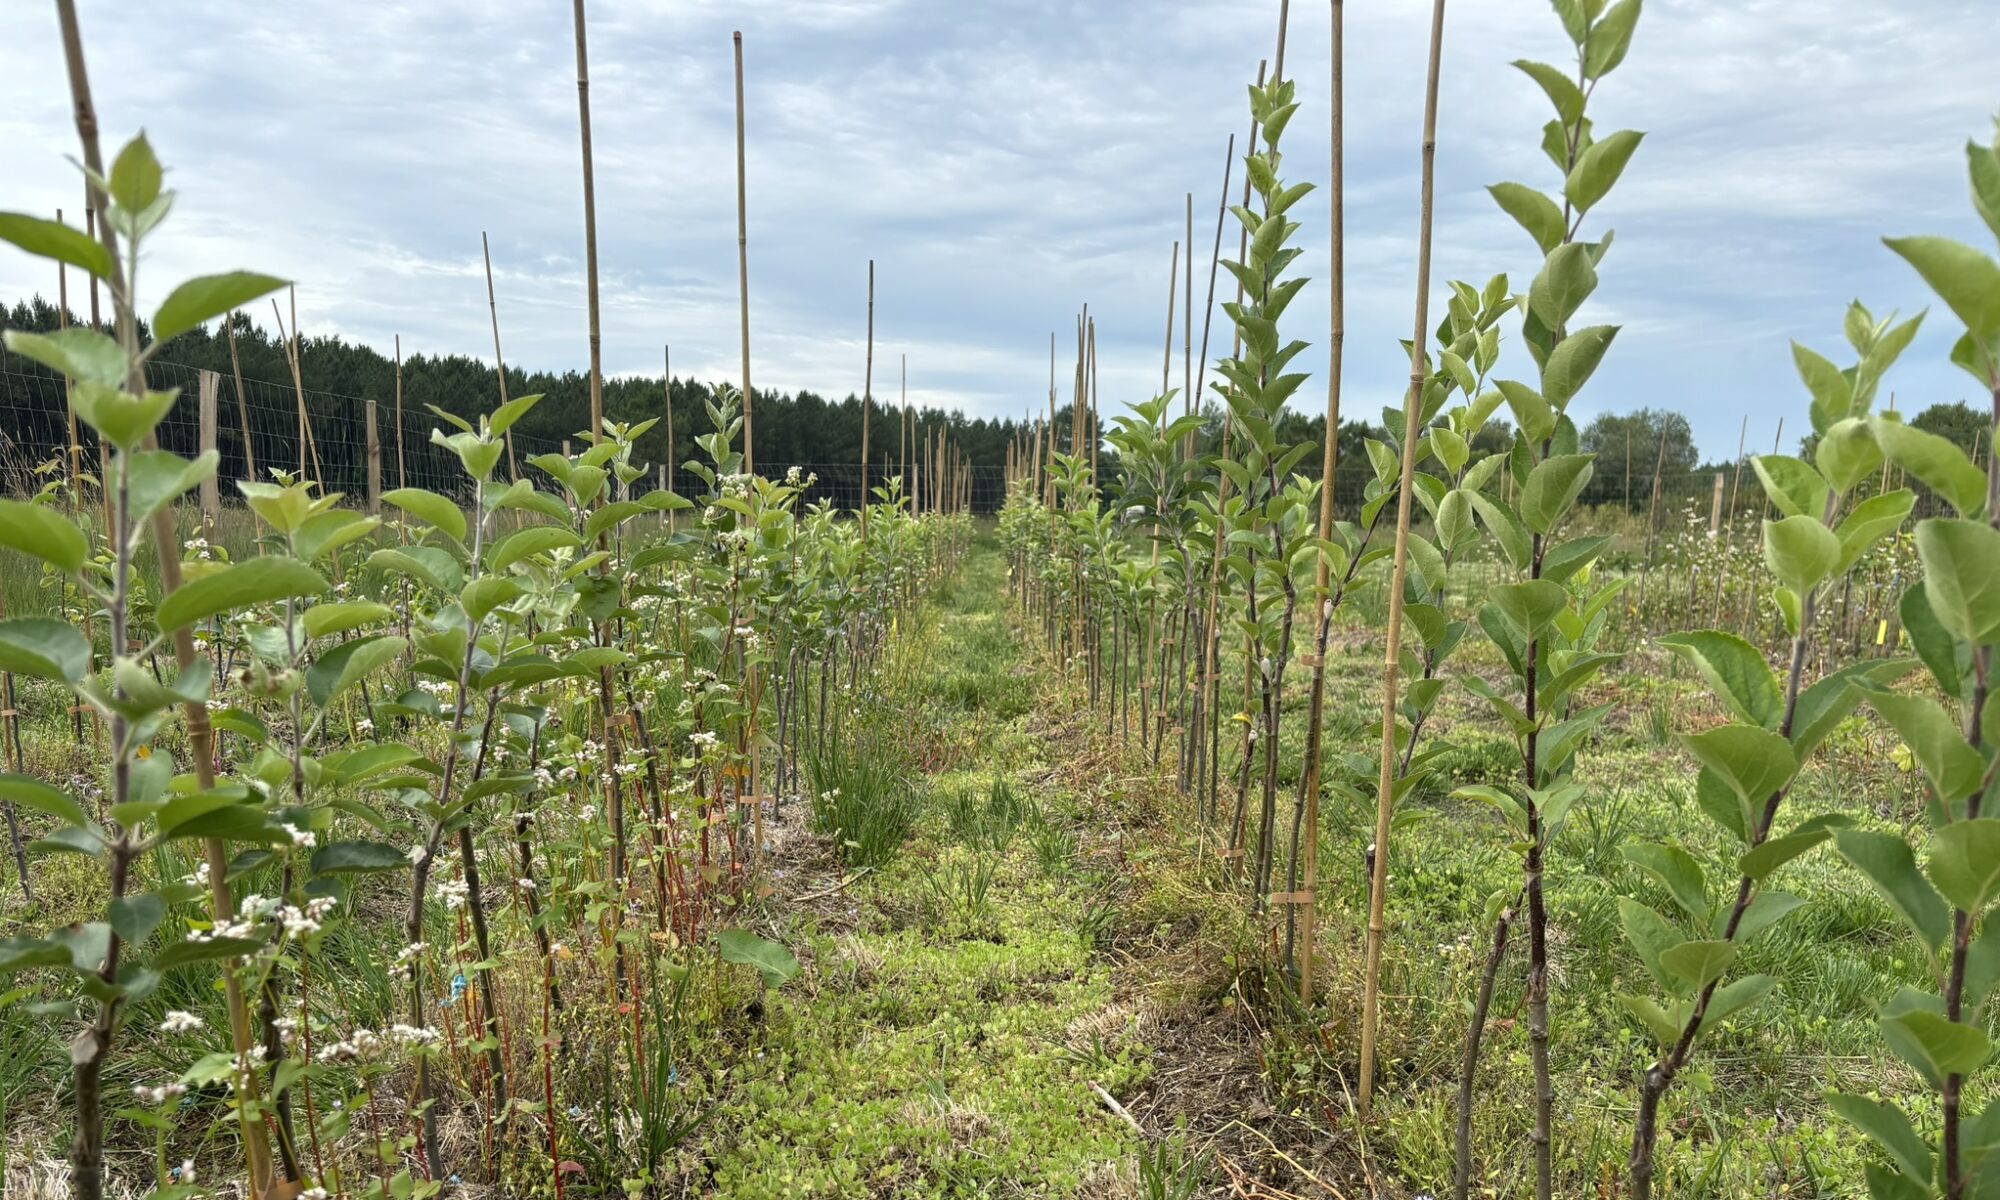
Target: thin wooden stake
x=1391, y=654
x=211, y=496
x=242, y=403
x=374, y=464
x=589, y=227
x=402, y=476
x=1173, y=281
x=867, y=398
x=1329, y=465
x=743, y=257
x=499, y=360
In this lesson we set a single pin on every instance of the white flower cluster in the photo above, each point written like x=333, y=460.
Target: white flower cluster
x=407, y=958
x=198, y=549
x=364, y=1044
x=181, y=1022
x=153, y=1097
x=454, y=893
x=304, y=839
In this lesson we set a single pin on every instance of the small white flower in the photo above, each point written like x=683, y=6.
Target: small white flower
x=181, y=1022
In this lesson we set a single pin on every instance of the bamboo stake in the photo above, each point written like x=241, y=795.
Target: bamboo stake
x=903, y=438
x=1329, y=464
x=589, y=226
x=74, y=459
x=1391, y=656
x=1173, y=280
x=402, y=475
x=743, y=256
x=499, y=360
x=1096, y=434
x=667, y=397
x=243, y=404
x=867, y=396
x=293, y=353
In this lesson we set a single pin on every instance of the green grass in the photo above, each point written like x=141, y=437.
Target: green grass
x=936, y=1051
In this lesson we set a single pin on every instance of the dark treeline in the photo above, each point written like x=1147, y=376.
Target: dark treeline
x=339, y=377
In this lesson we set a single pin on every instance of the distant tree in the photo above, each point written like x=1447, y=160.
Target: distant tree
x=1641, y=434
x=1958, y=422
x=1494, y=437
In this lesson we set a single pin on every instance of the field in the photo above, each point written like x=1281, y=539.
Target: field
x=1200, y=802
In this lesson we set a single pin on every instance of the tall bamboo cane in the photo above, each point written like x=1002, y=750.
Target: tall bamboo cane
x=1391, y=652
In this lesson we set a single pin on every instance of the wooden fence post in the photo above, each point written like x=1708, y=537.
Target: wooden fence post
x=1715, y=509
x=374, y=465
x=211, y=495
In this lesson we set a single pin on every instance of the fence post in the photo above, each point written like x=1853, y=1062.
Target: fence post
x=1715, y=509
x=374, y=465
x=211, y=496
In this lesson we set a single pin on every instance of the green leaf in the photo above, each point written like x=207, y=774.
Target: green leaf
x=1735, y=671
x=1531, y=605
x=1663, y=1025
x=1933, y=643
x=1832, y=391
x=136, y=917
x=1965, y=279
x=240, y=585
x=1953, y=767
x=30, y=792
x=1938, y=462
x=1560, y=89
x=45, y=648
x=1965, y=863
x=1505, y=527
x=1773, y=853
x=1678, y=871
x=1868, y=522
x=503, y=418
x=1890, y=1129
x=1610, y=38
x=357, y=858
x=430, y=508
x=774, y=962
x=1962, y=576
x=1847, y=454
x=1572, y=362
x=1735, y=996
x=536, y=539
x=322, y=620
x=1552, y=487
x=1887, y=862
x=348, y=664
x=428, y=565
x=1801, y=552
x=1792, y=484
x=1949, y=1047
x=1699, y=962
x=53, y=239
x=1534, y=211
x=1599, y=167
x=1754, y=762
x=182, y=953
x=40, y=531
x=1652, y=936
x=79, y=352
x=1765, y=910
x=1562, y=285
x=487, y=593
x=135, y=176
x=208, y=296
x=1531, y=412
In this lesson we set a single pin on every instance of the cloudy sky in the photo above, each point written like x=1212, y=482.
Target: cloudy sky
x=1005, y=161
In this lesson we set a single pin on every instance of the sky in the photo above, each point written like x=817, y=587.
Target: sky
x=1004, y=162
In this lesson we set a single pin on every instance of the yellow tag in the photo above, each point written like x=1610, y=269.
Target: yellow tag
x=1882, y=631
